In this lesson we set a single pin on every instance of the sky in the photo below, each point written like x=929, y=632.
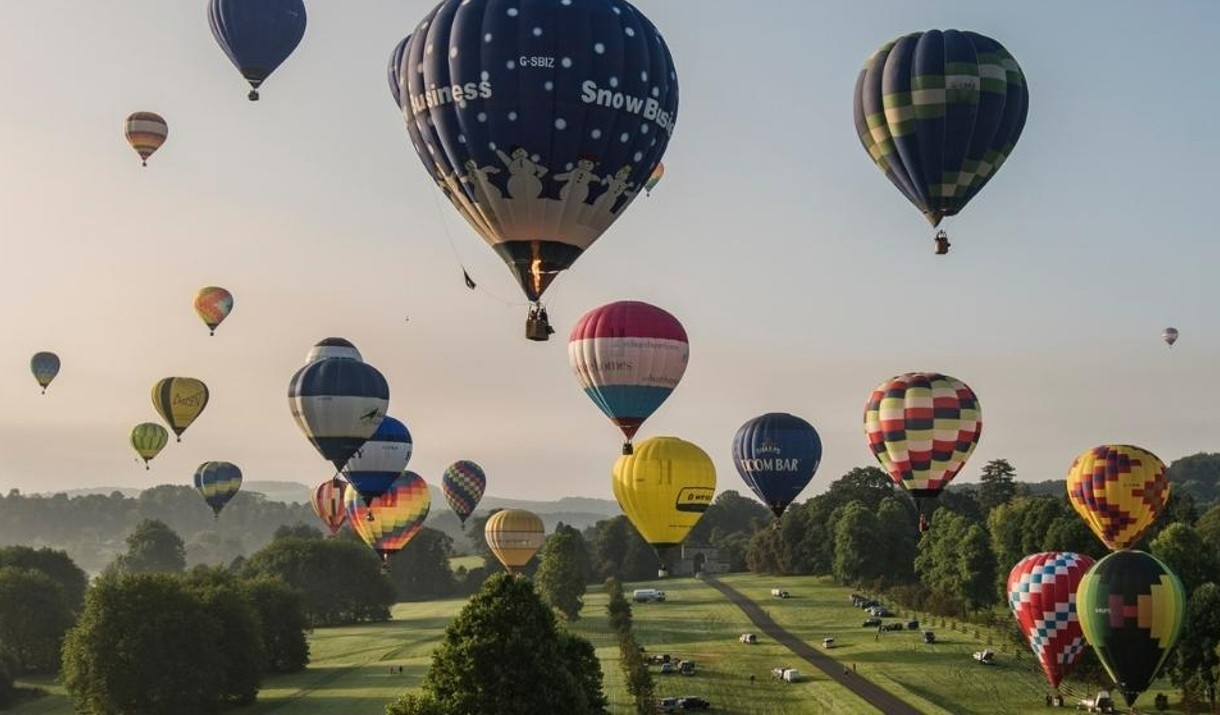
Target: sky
x=803, y=278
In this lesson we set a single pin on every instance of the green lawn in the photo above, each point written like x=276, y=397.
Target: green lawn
x=350, y=671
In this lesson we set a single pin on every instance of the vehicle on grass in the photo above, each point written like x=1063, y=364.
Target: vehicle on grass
x=747, y=638
x=871, y=622
x=644, y=595
x=929, y=637
x=912, y=625
x=668, y=668
x=985, y=656
x=895, y=626
x=779, y=593
x=828, y=642
x=667, y=705
x=790, y=675
x=693, y=702
x=686, y=667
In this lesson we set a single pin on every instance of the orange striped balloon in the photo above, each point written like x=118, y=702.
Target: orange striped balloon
x=146, y=132
x=213, y=304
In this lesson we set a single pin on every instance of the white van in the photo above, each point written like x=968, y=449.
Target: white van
x=792, y=675
x=644, y=595
x=779, y=593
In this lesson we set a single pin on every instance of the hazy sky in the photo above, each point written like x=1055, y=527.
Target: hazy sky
x=802, y=276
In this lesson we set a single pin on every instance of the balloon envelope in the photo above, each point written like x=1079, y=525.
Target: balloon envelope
x=145, y=132
x=655, y=177
x=922, y=427
x=1119, y=490
x=776, y=455
x=380, y=460
x=333, y=348
x=1170, y=336
x=392, y=76
x=1131, y=609
x=463, y=485
x=939, y=113
x=628, y=356
x=179, y=401
x=257, y=35
x=327, y=500
x=1042, y=597
x=45, y=367
x=388, y=522
x=213, y=304
x=217, y=482
x=664, y=488
x=514, y=536
x=540, y=123
x=338, y=404
x=148, y=439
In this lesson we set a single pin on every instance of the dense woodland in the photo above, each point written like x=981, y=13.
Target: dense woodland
x=255, y=581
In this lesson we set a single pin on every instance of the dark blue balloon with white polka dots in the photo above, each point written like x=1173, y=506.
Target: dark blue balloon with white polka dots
x=541, y=120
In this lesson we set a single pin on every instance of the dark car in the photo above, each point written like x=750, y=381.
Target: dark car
x=692, y=702
x=871, y=622
x=892, y=627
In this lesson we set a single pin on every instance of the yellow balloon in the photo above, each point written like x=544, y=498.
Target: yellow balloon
x=148, y=439
x=179, y=400
x=664, y=488
x=514, y=536
x=1119, y=490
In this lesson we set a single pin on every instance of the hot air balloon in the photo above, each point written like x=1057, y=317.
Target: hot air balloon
x=939, y=113
x=333, y=348
x=391, y=520
x=776, y=455
x=655, y=178
x=922, y=427
x=396, y=56
x=148, y=439
x=145, y=132
x=514, y=536
x=1119, y=490
x=257, y=35
x=327, y=500
x=1042, y=597
x=217, y=482
x=1131, y=609
x=463, y=486
x=338, y=403
x=45, y=367
x=664, y=488
x=380, y=460
x=179, y=400
x=628, y=356
x=539, y=123
x=213, y=304
x=1170, y=336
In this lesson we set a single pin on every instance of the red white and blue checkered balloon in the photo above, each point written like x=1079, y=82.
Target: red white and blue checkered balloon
x=1042, y=596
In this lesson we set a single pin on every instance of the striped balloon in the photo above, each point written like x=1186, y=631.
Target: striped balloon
x=380, y=460
x=655, y=178
x=148, y=439
x=388, y=522
x=179, y=401
x=45, y=367
x=145, y=132
x=1042, y=597
x=338, y=403
x=1132, y=609
x=392, y=75
x=939, y=113
x=1119, y=490
x=327, y=500
x=333, y=348
x=213, y=304
x=463, y=485
x=922, y=427
x=217, y=482
x=514, y=536
x=628, y=356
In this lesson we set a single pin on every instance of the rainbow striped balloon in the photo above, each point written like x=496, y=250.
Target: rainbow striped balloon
x=391, y=520
x=145, y=132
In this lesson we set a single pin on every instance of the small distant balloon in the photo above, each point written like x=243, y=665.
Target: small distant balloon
x=213, y=304
x=463, y=485
x=145, y=132
x=1170, y=336
x=257, y=35
x=654, y=178
x=45, y=367
x=179, y=401
x=327, y=500
x=217, y=483
x=148, y=439
x=514, y=536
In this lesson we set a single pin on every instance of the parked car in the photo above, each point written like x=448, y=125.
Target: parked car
x=668, y=668
x=790, y=675
x=871, y=622
x=881, y=611
x=929, y=637
x=828, y=642
x=895, y=626
x=912, y=625
x=693, y=702
x=747, y=638
x=644, y=595
x=686, y=667
x=985, y=656
x=779, y=593
x=667, y=705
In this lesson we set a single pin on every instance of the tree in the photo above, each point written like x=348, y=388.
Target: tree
x=1197, y=475
x=56, y=564
x=34, y=616
x=617, y=549
x=241, y=645
x=503, y=654
x=340, y=579
x=1195, y=666
x=857, y=556
x=956, y=561
x=298, y=530
x=897, y=535
x=145, y=643
x=283, y=622
x=997, y=484
x=1183, y=550
x=421, y=571
x=152, y=547
x=562, y=570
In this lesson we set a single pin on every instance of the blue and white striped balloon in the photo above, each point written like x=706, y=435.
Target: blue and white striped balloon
x=338, y=403
x=381, y=460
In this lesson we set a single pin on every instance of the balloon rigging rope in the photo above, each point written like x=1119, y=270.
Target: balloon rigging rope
x=441, y=213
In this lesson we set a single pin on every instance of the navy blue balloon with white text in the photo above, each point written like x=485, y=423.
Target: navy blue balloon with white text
x=777, y=455
x=540, y=120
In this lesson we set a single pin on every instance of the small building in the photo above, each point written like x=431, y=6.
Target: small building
x=697, y=559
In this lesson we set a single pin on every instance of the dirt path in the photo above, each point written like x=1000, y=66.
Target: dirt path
x=871, y=693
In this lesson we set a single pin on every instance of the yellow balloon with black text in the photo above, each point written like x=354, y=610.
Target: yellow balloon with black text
x=664, y=487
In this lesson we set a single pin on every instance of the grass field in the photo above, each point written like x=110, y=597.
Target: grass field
x=350, y=671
